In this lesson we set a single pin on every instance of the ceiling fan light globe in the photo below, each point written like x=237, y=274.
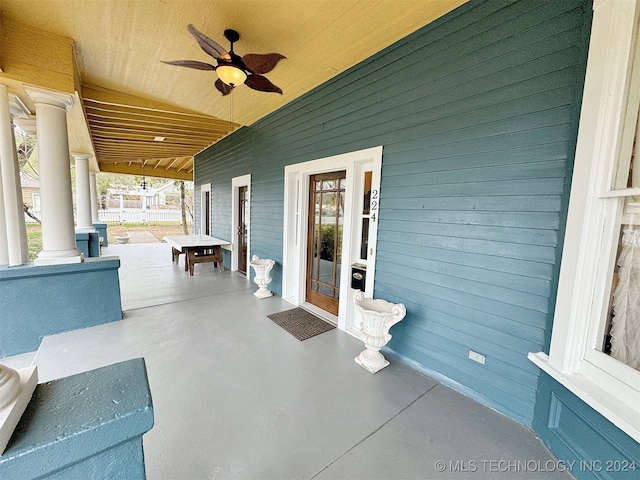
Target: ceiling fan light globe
x=231, y=75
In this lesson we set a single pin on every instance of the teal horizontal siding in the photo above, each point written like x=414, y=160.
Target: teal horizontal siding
x=440, y=265
x=478, y=141
x=471, y=378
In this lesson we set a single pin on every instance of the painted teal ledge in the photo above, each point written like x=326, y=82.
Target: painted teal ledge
x=587, y=442
x=43, y=300
x=88, y=425
x=88, y=244
x=102, y=231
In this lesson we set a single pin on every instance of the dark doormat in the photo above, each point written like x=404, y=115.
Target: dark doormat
x=300, y=323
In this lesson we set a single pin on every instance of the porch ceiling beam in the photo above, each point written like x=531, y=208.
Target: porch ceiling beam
x=125, y=156
x=154, y=162
x=136, y=169
x=106, y=132
x=115, y=142
x=169, y=130
x=147, y=147
x=152, y=122
x=147, y=113
x=184, y=164
x=171, y=164
x=111, y=97
x=123, y=128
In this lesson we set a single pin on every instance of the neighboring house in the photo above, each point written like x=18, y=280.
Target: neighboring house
x=452, y=152
x=481, y=172
x=167, y=195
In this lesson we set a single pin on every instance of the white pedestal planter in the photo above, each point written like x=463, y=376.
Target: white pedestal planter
x=378, y=316
x=123, y=239
x=262, y=278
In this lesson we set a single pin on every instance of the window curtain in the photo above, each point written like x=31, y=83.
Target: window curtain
x=625, y=331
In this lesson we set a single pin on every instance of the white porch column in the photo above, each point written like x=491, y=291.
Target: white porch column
x=83, y=194
x=58, y=234
x=4, y=247
x=93, y=190
x=15, y=230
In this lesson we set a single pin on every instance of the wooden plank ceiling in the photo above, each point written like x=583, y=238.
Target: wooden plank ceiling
x=109, y=56
x=142, y=137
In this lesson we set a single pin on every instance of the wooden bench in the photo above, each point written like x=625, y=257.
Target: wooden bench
x=201, y=255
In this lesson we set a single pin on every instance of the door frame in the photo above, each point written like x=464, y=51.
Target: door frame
x=296, y=205
x=236, y=183
x=204, y=188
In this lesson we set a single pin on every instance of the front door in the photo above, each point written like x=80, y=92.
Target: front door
x=207, y=213
x=243, y=211
x=324, y=250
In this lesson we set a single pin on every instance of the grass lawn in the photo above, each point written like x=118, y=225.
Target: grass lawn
x=158, y=230
x=34, y=238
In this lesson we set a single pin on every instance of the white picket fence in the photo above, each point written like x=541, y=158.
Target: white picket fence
x=128, y=215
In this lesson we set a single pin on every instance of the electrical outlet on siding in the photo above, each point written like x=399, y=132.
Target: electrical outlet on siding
x=476, y=357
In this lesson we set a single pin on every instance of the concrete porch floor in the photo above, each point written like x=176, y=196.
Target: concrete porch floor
x=236, y=396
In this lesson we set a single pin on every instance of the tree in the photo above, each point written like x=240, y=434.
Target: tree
x=183, y=207
x=27, y=150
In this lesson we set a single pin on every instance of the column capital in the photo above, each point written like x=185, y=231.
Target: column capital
x=49, y=97
x=81, y=156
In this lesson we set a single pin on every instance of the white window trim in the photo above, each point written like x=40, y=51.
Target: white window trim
x=204, y=188
x=608, y=386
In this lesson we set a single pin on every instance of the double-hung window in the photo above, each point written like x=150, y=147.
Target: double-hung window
x=595, y=343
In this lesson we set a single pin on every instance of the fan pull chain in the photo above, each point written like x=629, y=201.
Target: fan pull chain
x=231, y=112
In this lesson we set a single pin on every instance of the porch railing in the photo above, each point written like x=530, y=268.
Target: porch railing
x=115, y=215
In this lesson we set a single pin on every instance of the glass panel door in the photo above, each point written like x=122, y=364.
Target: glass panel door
x=324, y=252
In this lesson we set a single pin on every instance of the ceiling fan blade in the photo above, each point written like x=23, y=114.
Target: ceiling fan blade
x=191, y=64
x=211, y=47
x=262, y=84
x=262, y=63
x=223, y=87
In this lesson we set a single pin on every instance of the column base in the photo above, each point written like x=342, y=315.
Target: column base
x=89, y=229
x=11, y=412
x=59, y=257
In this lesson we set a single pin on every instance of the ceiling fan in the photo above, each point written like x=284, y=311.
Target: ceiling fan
x=232, y=69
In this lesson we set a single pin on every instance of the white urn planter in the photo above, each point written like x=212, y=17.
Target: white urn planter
x=378, y=316
x=262, y=267
x=123, y=239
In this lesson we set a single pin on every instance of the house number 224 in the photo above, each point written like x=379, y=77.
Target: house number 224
x=374, y=205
